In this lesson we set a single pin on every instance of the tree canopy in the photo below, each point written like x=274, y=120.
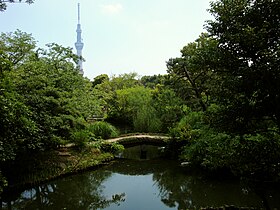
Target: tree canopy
x=42, y=95
x=196, y=69
x=233, y=72
x=248, y=35
x=3, y=3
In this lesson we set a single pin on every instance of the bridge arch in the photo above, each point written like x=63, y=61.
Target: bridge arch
x=130, y=141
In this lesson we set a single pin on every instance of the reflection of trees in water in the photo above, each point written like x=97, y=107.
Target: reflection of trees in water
x=78, y=192
x=177, y=189
x=193, y=192
x=174, y=189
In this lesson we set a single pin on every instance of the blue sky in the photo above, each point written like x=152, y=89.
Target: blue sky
x=120, y=36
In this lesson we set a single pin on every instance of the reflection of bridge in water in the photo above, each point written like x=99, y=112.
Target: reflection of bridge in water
x=128, y=141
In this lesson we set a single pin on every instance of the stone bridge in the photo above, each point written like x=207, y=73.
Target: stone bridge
x=133, y=140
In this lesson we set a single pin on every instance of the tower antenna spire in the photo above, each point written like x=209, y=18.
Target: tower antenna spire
x=78, y=13
x=79, y=44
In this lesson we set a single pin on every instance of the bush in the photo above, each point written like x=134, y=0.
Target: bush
x=80, y=137
x=188, y=126
x=113, y=148
x=103, y=130
x=211, y=150
x=256, y=156
x=147, y=121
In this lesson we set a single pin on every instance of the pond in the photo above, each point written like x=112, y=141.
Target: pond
x=144, y=182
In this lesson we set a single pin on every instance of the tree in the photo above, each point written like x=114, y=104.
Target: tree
x=100, y=79
x=152, y=81
x=130, y=103
x=237, y=65
x=195, y=68
x=43, y=97
x=168, y=106
x=124, y=81
x=106, y=88
x=44, y=101
x=248, y=34
x=15, y=48
x=3, y=3
x=13, y=112
x=59, y=97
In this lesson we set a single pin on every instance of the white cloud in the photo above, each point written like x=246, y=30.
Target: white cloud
x=112, y=8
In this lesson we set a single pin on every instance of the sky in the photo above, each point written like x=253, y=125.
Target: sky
x=119, y=36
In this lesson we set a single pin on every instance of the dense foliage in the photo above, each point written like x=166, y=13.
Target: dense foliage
x=44, y=101
x=248, y=36
x=43, y=94
x=220, y=100
x=138, y=105
x=103, y=130
x=233, y=73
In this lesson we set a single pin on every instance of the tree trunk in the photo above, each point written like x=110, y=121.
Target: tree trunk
x=196, y=90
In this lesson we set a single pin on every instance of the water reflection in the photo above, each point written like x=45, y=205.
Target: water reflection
x=143, y=152
x=151, y=184
x=83, y=191
x=178, y=188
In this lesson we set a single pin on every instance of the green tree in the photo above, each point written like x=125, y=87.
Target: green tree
x=129, y=101
x=15, y=49
x=248, y=34
x=3, y=3
x=44, y=101
x=43, y=97
x=124, y=81
x=100, y=79
x=168, y=106
x=105, y=89
x=240, y=131
x=13, y=112
x=133, y=107
x=195, y=69
x=152, y=81
x=59, y=97
x=17, y=129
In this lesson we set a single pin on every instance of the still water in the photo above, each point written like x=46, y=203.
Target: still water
x=144, y=183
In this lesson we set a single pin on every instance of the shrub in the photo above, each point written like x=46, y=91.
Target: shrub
x=251, y=155
x=103, y=130
x=80, y=137
x=187, y=127
x=208, y=149
x=112, y=147
x=257, y=155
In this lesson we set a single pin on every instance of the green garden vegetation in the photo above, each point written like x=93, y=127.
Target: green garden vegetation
x=233, y=77
x=219, y=101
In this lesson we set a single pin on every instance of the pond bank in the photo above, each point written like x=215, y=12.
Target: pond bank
x=42, y=167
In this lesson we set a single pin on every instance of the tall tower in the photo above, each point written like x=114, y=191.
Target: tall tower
x=79, y=44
